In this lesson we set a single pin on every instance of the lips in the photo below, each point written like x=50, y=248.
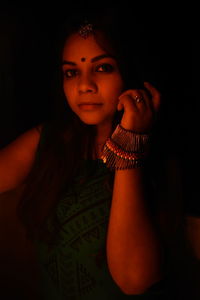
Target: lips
x=90, y=106
x=89, y=103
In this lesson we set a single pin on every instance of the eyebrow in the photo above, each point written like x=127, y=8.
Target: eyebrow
x=94, y=59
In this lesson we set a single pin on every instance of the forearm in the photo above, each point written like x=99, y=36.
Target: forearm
x=133, y=249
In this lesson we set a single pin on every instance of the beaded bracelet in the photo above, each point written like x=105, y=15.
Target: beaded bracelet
x=125, y=149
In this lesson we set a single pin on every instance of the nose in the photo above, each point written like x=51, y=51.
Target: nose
x=87, y=84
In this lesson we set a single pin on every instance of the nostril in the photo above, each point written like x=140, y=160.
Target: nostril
x=85, y=87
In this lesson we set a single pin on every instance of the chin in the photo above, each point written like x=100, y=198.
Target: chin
x=88, y=122
x=92, y=121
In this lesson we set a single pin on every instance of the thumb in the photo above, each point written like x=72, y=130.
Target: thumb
x=119, y=106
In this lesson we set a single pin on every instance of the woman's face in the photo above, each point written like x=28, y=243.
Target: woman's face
x=92, y=82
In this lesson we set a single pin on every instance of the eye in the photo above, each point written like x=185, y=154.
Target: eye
x=107, y=68
x=70, y=73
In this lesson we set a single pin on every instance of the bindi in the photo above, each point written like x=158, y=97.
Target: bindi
x=83, y=59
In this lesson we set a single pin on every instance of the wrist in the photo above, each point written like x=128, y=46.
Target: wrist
x=125, y=149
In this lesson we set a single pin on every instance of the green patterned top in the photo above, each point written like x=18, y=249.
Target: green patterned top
x=75, y=266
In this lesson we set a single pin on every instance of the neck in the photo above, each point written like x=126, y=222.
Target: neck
x=103, y=133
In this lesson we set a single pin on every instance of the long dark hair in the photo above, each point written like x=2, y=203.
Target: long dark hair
x=65, y=139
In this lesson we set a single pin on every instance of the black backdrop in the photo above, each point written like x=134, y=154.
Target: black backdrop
x=26, y=66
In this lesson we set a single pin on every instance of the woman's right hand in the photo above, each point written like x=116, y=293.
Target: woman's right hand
x=140, y=109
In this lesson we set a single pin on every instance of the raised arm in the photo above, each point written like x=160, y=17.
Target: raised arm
x=16, y=159
x=134, y=251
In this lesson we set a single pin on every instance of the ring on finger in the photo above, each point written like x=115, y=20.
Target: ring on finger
x=138, y=99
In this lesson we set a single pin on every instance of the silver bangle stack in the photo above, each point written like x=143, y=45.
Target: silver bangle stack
x=125, y=149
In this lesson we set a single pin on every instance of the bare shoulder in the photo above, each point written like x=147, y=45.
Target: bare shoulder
x=17, y=158
x=29, y=138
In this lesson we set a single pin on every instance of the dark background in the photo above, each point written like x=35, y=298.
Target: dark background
x=169, y=47
x=167, y=40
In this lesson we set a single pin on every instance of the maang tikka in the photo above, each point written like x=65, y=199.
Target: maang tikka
x=85, y=30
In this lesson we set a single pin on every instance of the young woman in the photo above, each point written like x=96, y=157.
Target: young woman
x=88, y=201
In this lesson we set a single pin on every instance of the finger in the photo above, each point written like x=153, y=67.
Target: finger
x=148, y=100
x=140, y=99
x=126, y=100
x=137, y=97
x=156, y=96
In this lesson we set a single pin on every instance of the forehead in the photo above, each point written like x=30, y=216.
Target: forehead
x=76, y=47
